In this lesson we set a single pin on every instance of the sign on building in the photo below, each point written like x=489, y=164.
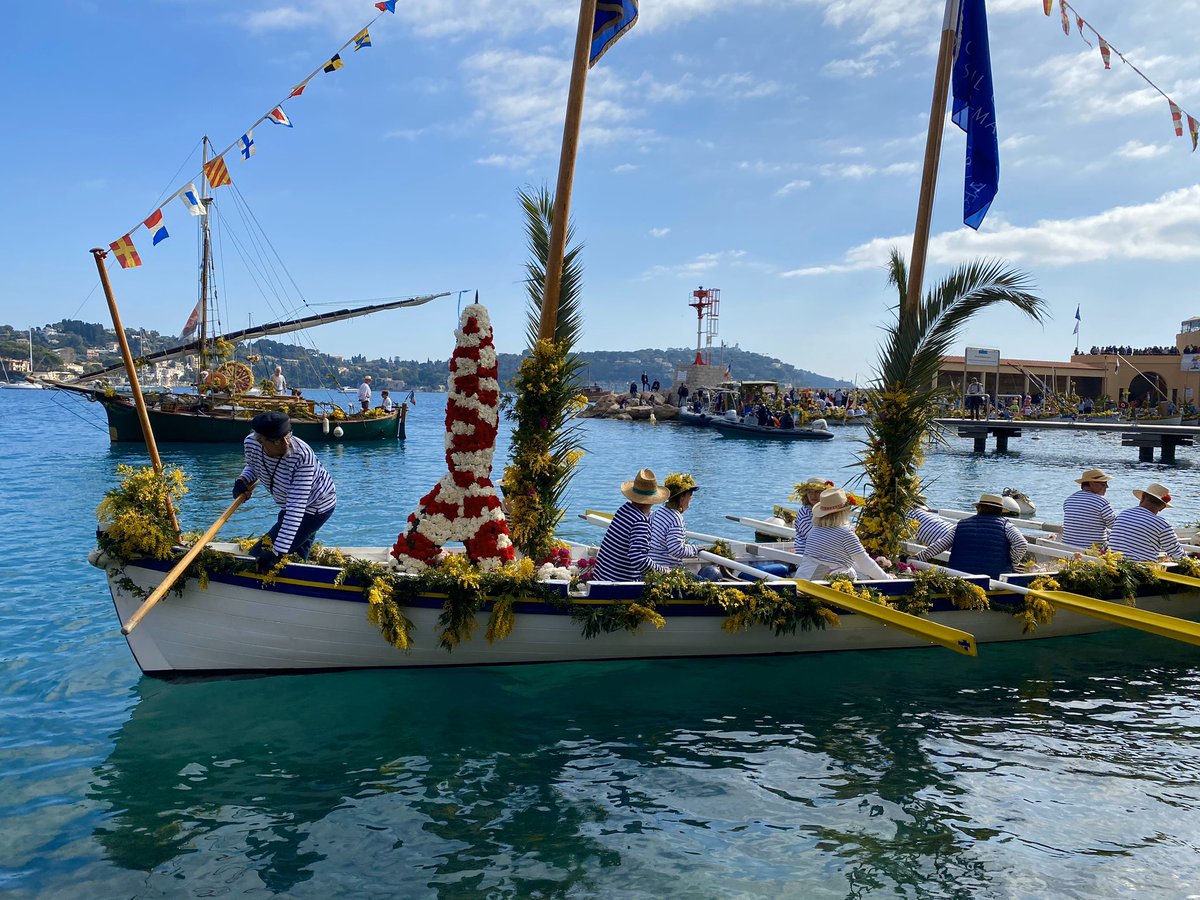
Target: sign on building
x=982, y=358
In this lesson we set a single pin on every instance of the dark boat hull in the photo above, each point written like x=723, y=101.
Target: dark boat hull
x=739, y=429
x=209, y=428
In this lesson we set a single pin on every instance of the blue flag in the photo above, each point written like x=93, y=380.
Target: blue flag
x=974, y=111
x=613, y=19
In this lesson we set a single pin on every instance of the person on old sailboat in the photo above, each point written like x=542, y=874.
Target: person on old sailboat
x=624, y=553
x=668, y=544
x=299, y=484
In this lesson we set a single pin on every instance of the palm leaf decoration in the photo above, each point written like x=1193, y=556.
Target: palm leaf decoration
x=546, y=443
x=903, y=393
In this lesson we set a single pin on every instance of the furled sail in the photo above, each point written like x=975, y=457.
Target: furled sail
x=247, y=334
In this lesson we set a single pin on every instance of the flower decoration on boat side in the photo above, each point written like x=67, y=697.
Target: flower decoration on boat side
x=463, y=505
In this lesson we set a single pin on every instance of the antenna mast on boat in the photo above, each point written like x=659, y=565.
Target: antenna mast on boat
x=205, y=263
x=707, y=304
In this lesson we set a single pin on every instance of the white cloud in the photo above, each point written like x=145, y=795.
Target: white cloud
x=704, y=263
x=1165, y=230
x=502, y=161
x=1136, y=150
x=659, y=232
x=877, y=58
x=624, y=167
x=859, y=171
x=797, y=185
x=281, y=18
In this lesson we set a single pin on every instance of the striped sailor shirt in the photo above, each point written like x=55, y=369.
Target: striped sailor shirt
x=835, y=546
x=625, y=551
x=930, y=527
x=803, y=527
x=667, y=545
x=1087, y=518
x=1142, y=535
x=296, y=480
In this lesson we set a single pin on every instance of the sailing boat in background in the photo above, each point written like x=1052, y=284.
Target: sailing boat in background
x=22, y=385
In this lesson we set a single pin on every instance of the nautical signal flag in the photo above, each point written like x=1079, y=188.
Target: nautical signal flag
x=334, y=64
x=127, y=255
x=155, y=226
x=1176, y=117
x=193, y=320
x=613, y=19
x=191, y=199
x=974, y=111
x=278, y=116
x=216, y=173
x=297, y=90
x=1077, y=319
x=386, y=6
x=361, y=40
x=246, y=144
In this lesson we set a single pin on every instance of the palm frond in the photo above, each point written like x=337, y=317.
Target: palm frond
x=538, y=206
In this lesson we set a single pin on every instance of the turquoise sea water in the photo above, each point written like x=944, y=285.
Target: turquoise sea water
x=1056, y=769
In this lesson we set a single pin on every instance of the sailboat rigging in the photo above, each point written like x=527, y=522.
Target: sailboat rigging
x=9, y=384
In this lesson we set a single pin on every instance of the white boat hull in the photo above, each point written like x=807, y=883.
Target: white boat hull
x=303, y=623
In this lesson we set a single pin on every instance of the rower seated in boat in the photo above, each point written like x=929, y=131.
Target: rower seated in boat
x=809, y=493
x=832, y=547
x=1141, y=534
x=624, y=553
x=668, y=544
x=986, y=543
x=931, y=527
x=1087, y=515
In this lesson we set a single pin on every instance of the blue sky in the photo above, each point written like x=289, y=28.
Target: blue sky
x=774, y=154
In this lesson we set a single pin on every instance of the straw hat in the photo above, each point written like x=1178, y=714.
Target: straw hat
x=992, y=501
x=1093, y=475
x=832, y=502
x=1157, y=491
x=645, y=488
x=816, y=483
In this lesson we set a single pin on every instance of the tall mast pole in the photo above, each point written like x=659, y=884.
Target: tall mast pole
x=566, y=171
x=933, y=155
x=205, y=256
x=138, y=400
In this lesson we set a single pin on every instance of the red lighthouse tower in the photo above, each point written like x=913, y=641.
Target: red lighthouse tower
x=707, y=304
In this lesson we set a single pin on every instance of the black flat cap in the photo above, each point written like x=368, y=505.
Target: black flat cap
x=272, y=425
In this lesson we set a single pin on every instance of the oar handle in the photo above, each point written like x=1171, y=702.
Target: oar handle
x=159, y=592
x=993, y=584
x=736, y=566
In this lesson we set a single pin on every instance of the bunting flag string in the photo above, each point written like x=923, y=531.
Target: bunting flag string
x=215, y=172
x=1106, y=51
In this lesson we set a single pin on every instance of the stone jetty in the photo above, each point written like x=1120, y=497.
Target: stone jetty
x=631, y=408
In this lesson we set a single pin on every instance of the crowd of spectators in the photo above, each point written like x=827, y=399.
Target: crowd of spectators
x=1143, y=351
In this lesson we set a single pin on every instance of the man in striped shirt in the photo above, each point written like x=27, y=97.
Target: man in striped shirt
x=289, y=470
x=930, y=527
x=668, y=544
x=1087, y=516
x=625, y=551
x=1141, y=534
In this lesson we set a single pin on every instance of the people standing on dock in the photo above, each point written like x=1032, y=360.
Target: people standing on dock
x=974, y=397
x=1087, y=515
x=986, y=543
x=683, y=394
x=810, y=495
x=1140, y=533
x=645, y=382
x=299, y=484
x=624, y=553
x=668, y=544
x=364, y=393
x=278, y=380
x=832, y=547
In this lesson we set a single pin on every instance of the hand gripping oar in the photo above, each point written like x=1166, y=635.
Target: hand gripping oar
x=159, y=592
x=952, y=638
x=1144, y=620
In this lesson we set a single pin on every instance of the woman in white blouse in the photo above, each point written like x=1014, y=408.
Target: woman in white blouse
x=832, y=547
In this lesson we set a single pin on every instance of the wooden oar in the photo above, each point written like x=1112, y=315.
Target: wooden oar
x=1178, y=578
x=1143, y=620
x=771, y=528
x=952, y=638
x=159, y=592
x=1032, y=524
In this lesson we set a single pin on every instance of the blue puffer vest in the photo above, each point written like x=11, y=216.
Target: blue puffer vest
x=981, y=547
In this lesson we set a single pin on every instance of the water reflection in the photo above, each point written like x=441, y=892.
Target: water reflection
x=857, y=773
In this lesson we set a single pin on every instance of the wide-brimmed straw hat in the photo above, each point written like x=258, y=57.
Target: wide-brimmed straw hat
x=816, y=483
x=1157, y=491
x=990, y=500
x=645, y=488
x=832, y=502
x=1093, y=475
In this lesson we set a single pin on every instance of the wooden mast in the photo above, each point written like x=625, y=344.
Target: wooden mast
x=139, y=401
x=566, y=171
x=933, y=155
x=205, y=256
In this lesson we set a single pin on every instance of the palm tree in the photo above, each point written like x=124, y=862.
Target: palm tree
x=904, y=394
x=545, y=444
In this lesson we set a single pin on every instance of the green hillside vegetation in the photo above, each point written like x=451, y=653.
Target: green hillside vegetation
x=67, y=343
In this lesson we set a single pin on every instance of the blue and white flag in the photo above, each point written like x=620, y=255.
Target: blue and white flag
x=246, y=144
x=191, y=199
x=1077, y=320
x=974, y=111
x=613, y=19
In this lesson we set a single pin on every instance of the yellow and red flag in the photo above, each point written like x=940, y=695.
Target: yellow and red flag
x=216, y=173
x=1194, y=128
x=1047, y=5
x=127, y=254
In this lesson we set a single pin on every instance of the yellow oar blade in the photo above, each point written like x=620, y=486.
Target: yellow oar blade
x=597, y=513
x=1178, y=579
x=1144, y=620
x=951, y=638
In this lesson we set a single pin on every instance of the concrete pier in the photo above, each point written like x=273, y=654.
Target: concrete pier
x=1145, y=437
